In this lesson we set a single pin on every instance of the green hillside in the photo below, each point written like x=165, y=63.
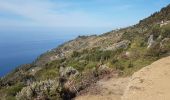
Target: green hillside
x=66, y=70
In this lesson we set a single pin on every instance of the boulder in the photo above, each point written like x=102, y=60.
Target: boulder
x=151, y=42
x=120, y=45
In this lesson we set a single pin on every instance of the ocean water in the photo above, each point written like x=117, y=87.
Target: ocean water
x=22, y=48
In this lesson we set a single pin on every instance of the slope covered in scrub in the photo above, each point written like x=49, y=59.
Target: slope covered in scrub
x=78, y=63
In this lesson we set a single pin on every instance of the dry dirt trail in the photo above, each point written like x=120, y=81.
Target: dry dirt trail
x=150, y=83
x=111, y=89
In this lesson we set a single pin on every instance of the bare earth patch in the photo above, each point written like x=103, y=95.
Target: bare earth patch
x=105, y=89
x=150, y=83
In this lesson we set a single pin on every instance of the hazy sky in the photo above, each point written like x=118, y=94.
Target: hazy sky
x=85, y=15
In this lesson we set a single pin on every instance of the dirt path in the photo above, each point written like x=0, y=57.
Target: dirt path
x=111, y=89
x=150, y=83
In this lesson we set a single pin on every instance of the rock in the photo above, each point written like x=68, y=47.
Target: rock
x=120, y=45
x=123, y=44
x=127, y=54
x=150, y=41
x=165, y=40
x=159, y=37
x=62, y=71
x=163, y=23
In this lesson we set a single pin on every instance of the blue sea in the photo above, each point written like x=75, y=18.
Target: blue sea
x=22, y=48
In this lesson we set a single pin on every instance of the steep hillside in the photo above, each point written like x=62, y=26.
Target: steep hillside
x=67, y=70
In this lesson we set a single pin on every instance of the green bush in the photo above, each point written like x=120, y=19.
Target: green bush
x=50, y=71
x=79, y=65
x=119, y=65
x=13, y=90
x=156, y=30
x=10, y=98
x=75, y=54
x=91, y=65
x=130, y=65
x=165, y=32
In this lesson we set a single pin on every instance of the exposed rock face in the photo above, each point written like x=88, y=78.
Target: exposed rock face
x=150, y=41
x=120, y=45
x=150, y=83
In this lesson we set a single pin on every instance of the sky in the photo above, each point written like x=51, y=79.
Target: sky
x=74, y=16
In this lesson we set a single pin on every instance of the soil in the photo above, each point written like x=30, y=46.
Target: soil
x=150, y=83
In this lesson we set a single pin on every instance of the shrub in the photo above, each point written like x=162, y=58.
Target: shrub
x=43, y=90
x=75, y=54
x=91, y=65
x=13, y=90
x=165, y=32
x=114, y=60
x=119, y=66
x=154, y=51
x=156, y=30
x=130, y=65
x=79, y=65
x=48, y=72
x=165, y=47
